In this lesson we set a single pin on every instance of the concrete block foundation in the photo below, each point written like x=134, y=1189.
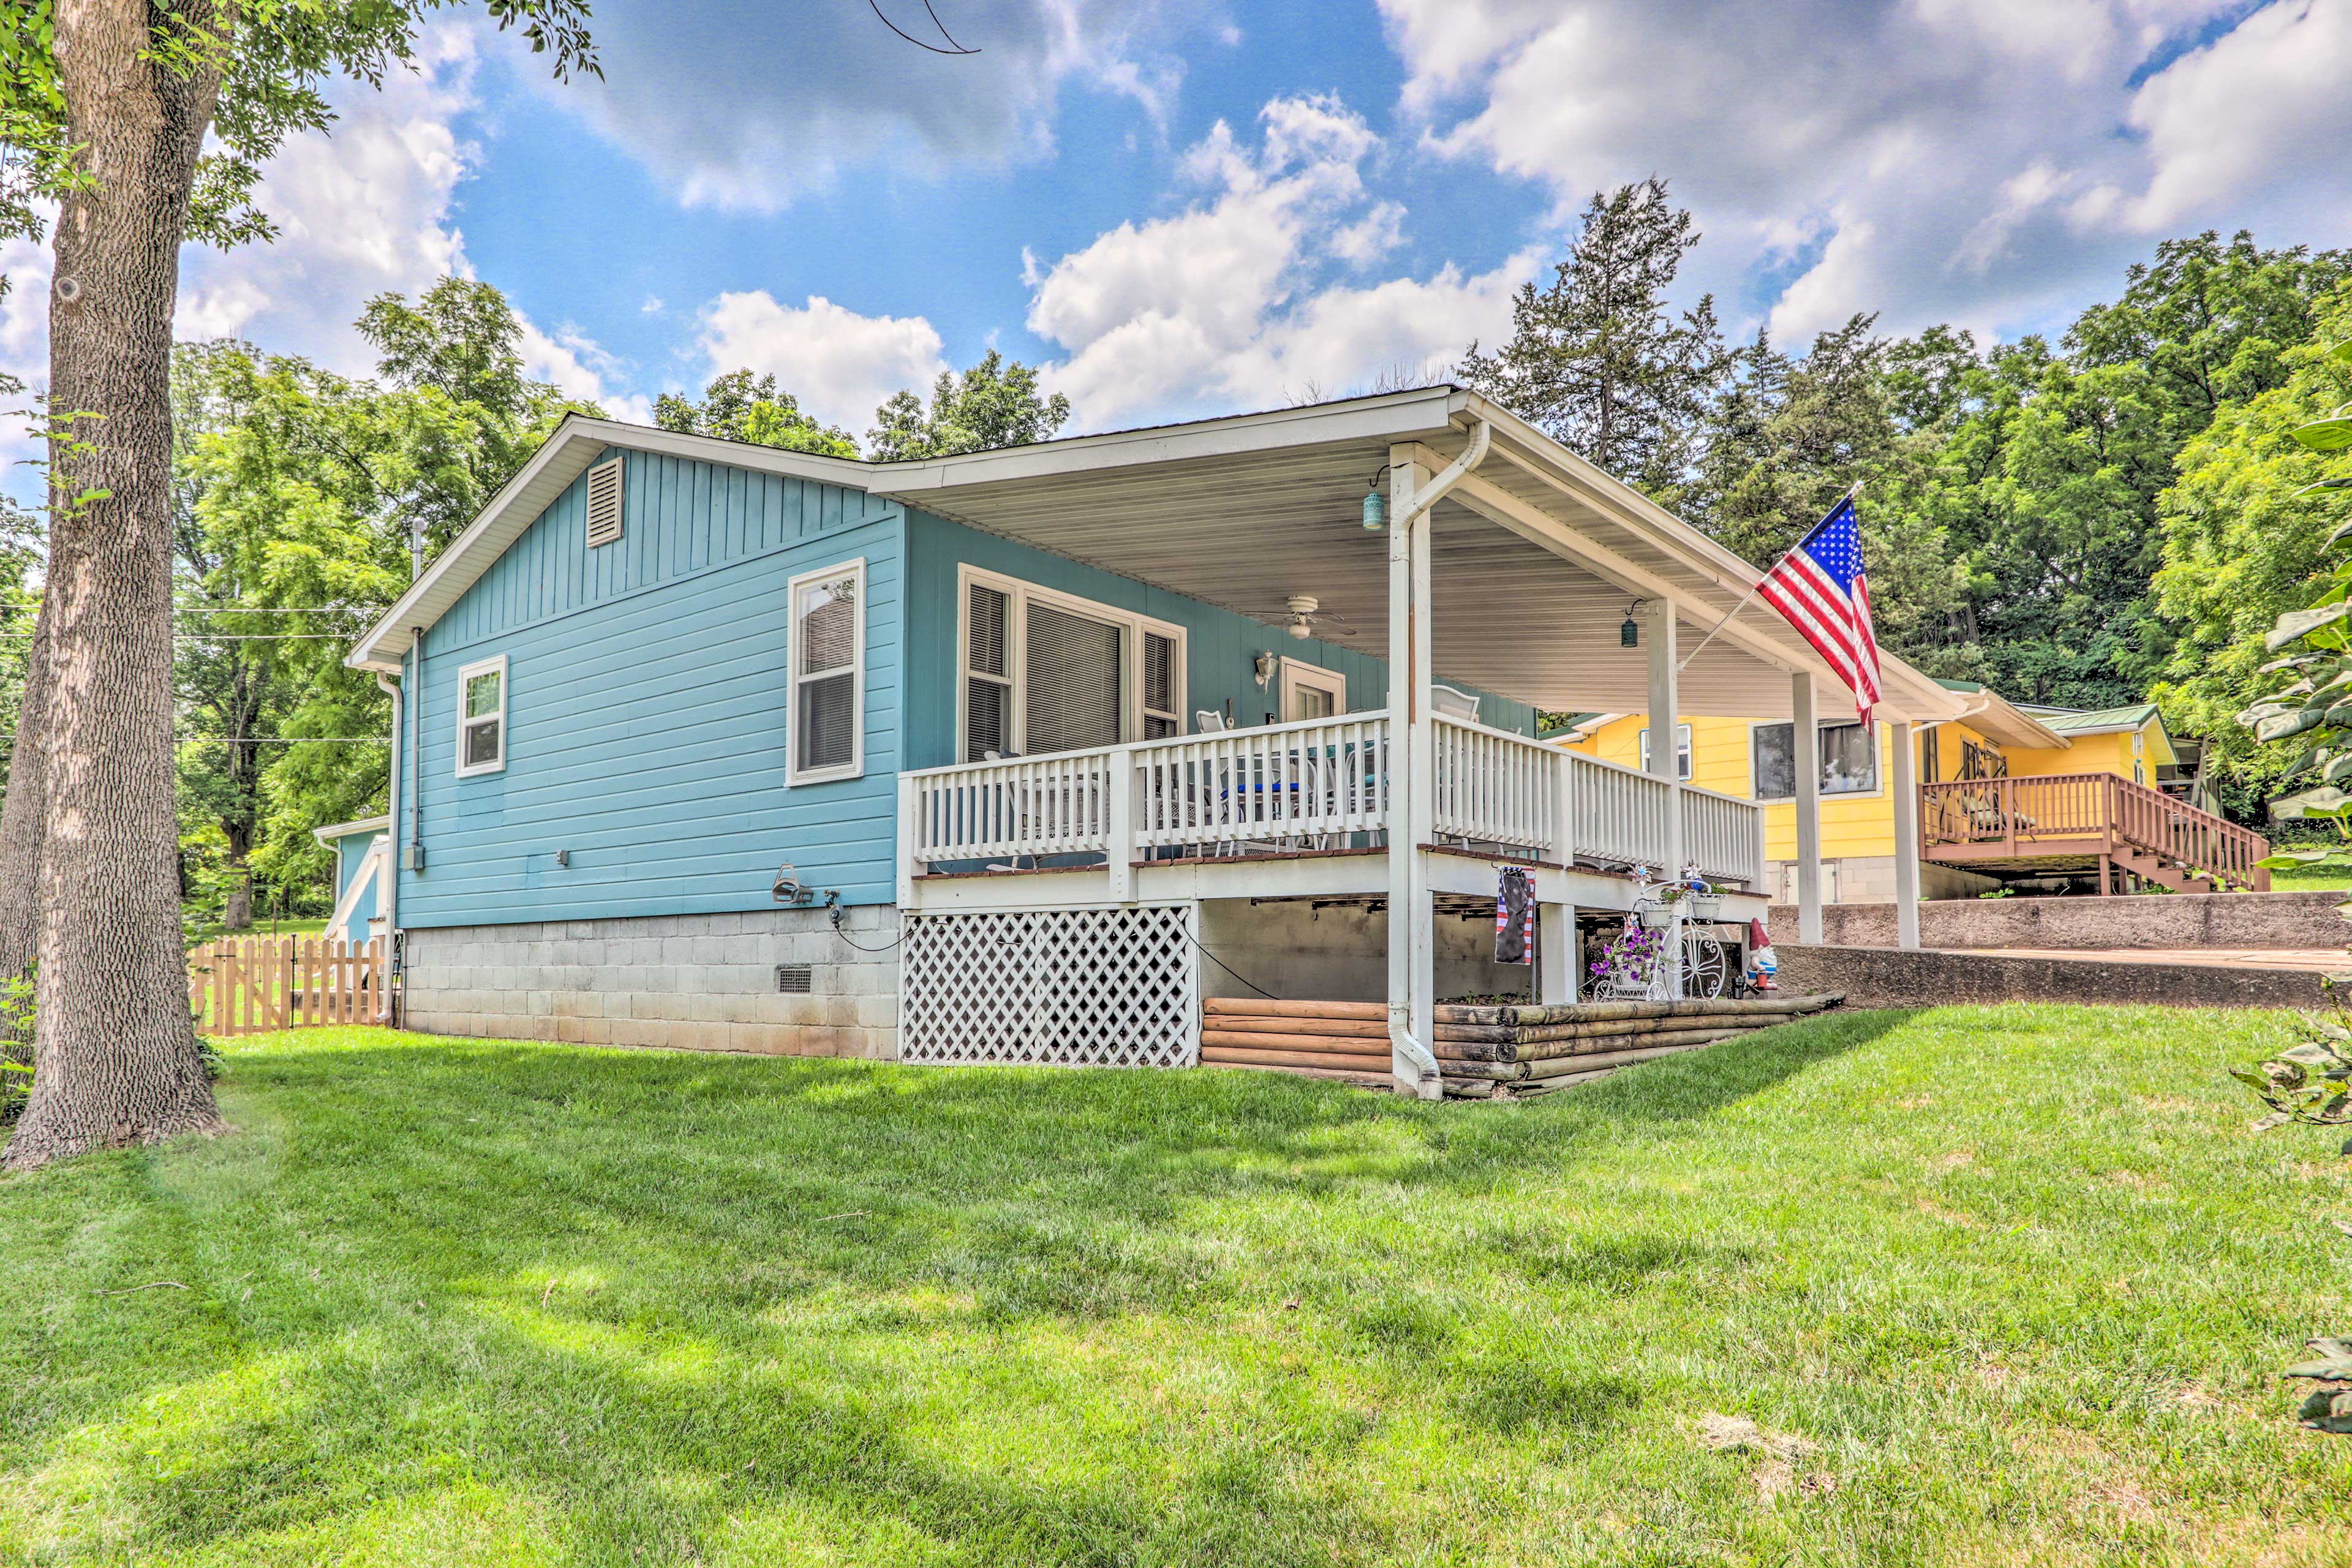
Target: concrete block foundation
x=685, y=982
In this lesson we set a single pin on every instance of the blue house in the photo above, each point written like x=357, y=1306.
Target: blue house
x=1021, y=756
x=363, y=852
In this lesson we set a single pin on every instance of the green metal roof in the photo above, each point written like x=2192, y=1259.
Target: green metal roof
x=2067, y=723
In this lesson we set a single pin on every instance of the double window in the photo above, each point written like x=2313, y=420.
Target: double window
x=1682, y=751
x=1849, y=760
x=828, y=660
x=1047, y=672
x=482, y=717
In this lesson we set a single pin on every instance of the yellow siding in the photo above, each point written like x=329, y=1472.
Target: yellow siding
x=1861, y=824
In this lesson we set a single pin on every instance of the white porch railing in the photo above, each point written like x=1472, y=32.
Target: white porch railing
x=1308, y=785
x=1058, y=804
x=1618, y=815
x=1494, y=786
x=1723, y=834
x=1316, y=784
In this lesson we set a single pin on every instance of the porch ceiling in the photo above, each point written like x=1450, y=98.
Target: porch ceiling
x=1535, y=558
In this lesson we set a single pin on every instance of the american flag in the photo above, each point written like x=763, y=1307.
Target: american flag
x=1819, y=587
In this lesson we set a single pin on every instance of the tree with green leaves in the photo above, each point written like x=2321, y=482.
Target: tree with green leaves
x=2256, y=519
x=146, y=122
x=737, y=407
x=1598, y=358
x=995, y=403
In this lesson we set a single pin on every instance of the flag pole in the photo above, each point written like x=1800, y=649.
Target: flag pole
x=1759, y=582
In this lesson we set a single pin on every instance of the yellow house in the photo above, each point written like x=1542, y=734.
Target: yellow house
x=1998, y=739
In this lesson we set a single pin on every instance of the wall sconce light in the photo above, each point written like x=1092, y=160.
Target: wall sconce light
x=1630, y=634
x=1264, y=668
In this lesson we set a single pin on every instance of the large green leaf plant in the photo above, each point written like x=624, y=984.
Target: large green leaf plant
x=2310, y=1083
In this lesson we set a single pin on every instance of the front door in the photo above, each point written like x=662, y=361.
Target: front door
x=1308, y=692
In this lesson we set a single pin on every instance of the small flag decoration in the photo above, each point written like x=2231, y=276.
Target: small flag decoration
x=1819, y=587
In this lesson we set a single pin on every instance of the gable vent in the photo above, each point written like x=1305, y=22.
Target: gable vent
x=795, y=979
x=604, y=503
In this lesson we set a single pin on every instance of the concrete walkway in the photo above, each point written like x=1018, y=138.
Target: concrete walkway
x=2317, y=960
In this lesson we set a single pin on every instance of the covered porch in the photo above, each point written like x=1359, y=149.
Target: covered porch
x=1503, y=562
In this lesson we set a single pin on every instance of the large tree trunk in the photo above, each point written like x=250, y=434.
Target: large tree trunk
x=116, y=1058
x=24, y=816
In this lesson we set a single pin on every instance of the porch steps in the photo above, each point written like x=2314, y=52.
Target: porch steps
x=1485, y=1052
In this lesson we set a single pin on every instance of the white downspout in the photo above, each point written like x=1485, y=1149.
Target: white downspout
x=392, y=844
x=1401, y=1037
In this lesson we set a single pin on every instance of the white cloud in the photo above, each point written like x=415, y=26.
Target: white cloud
x=839, y=364
x=2267, y=96
x=748, y=103
x=1990, y=161
x=1232, y=301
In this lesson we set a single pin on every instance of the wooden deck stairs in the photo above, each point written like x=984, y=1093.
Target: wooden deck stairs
x=1502, y=1052
x=2087, y=822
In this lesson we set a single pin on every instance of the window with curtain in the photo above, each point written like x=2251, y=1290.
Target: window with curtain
x=1849, y=761
x=828, y=649
x=1160, y=718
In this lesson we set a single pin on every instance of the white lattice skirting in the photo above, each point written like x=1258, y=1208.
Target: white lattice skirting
x=1110, y=987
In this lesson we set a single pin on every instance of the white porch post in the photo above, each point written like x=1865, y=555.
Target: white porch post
x=911, y=839
x=1665, y=726
x=1907, y=837
x=1556, y=953
x=1412, y=782
x=1807, y=748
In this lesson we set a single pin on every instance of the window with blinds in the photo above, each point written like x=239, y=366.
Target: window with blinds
x=828, y=660
x=1043, y=672
x=987, y=673
x=1071, y=686
x=1161, y=719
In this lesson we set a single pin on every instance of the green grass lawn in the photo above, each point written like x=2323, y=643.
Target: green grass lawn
x=2017, y=1276
x=2303, y=876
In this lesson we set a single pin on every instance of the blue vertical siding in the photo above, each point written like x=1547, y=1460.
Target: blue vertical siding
x=648, y=705
x=1222, y=647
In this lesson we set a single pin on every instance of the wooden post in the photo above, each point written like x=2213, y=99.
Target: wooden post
x=1907, y=837
x=910, y=844
x=2009, y=815
x=1806, y=745
x=1412, y=776
x=1556, y=953
x=1124, y=780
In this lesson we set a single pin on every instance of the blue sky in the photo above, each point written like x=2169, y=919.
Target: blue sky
x=1193, y=208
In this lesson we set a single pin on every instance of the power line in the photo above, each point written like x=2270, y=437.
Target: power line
x=236, y=637
x=265, y=740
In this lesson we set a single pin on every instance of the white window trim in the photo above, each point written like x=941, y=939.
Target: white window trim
x=856, y=767
x=1683, y=748
x=506, y=693
x=1298, y=675
x=1877, y=762
x=1019, y=595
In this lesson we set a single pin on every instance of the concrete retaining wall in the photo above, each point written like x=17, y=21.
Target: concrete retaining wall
x=2299, y=919
x=695, y=982
x=1882, y=977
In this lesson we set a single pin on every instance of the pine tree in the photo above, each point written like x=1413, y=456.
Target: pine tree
x=1598, y=360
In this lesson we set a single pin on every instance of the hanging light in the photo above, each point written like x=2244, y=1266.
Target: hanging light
x=1376, y=505
x=1630, y=634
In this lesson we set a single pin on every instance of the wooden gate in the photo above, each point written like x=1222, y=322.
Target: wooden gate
x=261, y=983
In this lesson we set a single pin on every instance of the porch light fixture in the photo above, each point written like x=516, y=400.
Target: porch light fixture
x=1376, y=505
x=1264, y=668
x=1630, y=634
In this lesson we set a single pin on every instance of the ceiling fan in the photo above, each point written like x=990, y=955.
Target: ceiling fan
x=1303, y=616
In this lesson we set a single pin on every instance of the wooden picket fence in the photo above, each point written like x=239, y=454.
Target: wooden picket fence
x=259, y=983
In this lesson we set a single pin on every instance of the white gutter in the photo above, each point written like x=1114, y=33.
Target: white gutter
x=1423, y=499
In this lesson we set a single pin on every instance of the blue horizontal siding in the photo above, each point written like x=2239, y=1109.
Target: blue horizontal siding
x=1220, y=652
x=648, y=710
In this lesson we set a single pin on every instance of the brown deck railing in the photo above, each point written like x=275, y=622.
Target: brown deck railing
x=2073, y=814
